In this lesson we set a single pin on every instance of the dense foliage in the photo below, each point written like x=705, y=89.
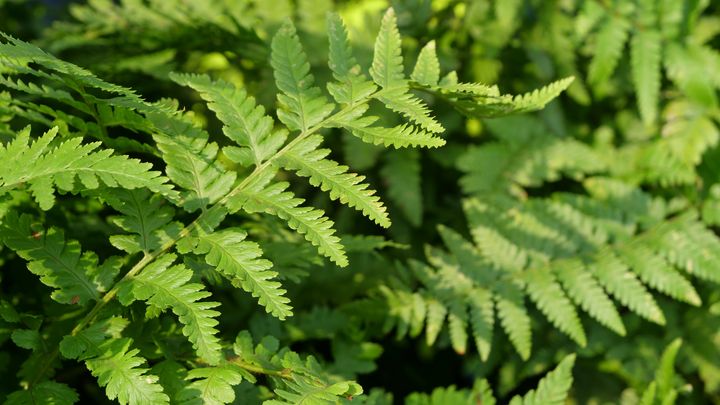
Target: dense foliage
x=280, y=202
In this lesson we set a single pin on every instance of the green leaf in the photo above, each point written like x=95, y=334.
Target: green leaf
x=239, y=260
x=608, y=50
x=514, y=317
x=191, y=162
x=588, y=294
x=400, y=136
x=645, y=52
x=615, y=276
x=210, y=386
x=46, y=166
x=387, y=72
x=244, y=122
x=387, y=64
x=144, y=215
x=427, y=67
x=302, y=105
x=553, y=388
x=117, y=368
x=74, y=276
x=552, y=301
x=162, y=287
x=353, y=86
x=275, y=200
x=308, y=161
x=46, y=392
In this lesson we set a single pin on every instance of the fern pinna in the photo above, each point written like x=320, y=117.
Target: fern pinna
x=174, y=221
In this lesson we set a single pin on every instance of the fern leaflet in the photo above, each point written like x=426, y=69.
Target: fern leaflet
x=308, y=161
x=239, y=260
x=302, y=105
x=162, y=287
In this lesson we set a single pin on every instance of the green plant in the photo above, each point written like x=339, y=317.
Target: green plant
x=211, y=245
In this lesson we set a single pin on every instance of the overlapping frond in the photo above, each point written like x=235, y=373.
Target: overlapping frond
x=144, y=216
x=308, y=161
x=75, y=277
x=117, y=366
x=163, y=287
x=240, y=261
x=245, y=122
x=191, y=161
x=274, y=199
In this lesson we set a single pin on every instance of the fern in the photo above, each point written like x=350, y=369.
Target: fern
x=144, y=217
x=245, y=123
x=52, y=167
x=191, y=217
x=301, y=105
x=645, y=54
x=116, y=366
x=611, y=41
x=552, y=389
x=516, y=255
x=239, y=261
x=274, y=200
x=76, y=277
x=308, y=161
x=387, y=72
x=162, y=287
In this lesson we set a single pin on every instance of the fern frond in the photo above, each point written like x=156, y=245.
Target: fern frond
x=191, y=162
x=16, y=54
x=610, y=43
x=427, y=67
x=244, y=122
x=656, y=272
x=275, y=200
x=539, y=98
x=550, y=298
x=163, y=287
x=553, y=388
x=387, y=64
x=49, y=392
x=307, y=160
x=400, y=136
x=114, y=363
x=615, y=276
x=387, y=72
x=240, y=261
x=305, y=389
x=302, y=105
x=482, y=320
x=588, y=294
x=353, y=85
x=400, y=100
x=61, y=265
x=514, y=317
x=645, y=52
x=480, y=101
x=144, y=216
x=210, y=385
x=46, y=168
x=118, y=369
